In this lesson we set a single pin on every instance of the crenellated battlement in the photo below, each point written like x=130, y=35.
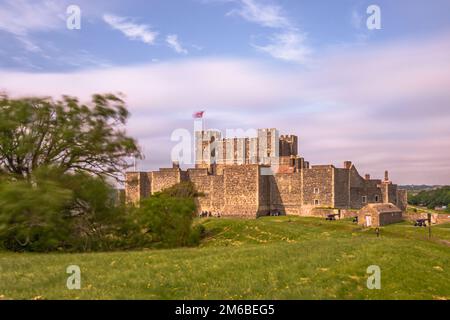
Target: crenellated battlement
x=266, y=148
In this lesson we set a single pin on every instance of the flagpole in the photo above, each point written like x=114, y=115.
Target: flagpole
x=199, y=115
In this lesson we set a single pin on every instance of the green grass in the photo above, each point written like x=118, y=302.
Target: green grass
x=416, y=209
x=268, y=258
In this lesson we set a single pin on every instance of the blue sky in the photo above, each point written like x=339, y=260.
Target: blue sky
x=311, y=68
x=221, y=28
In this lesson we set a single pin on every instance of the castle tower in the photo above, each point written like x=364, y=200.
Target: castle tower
x=269, y=146
x=206, y=147
x=288, y=145
x=137, y=186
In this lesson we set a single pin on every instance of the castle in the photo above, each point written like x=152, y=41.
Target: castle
x=258, y=176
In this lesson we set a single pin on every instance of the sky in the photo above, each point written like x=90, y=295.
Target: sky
x=378, y=97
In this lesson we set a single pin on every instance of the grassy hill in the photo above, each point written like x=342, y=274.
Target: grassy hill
x=268, y=258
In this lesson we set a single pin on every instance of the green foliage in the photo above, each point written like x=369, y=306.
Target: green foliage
x=197, y=234
x=31, y=216
x=166, y=217
x=66, y=134
x=55, y=157
x=61, y=211
x=432, y=198
x=78, y=212
x=183, y=189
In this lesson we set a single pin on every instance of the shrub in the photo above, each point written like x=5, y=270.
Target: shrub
x=198, y=232
x=78, y=212
x=31, y=216
x=60, y=211
x=166, y=217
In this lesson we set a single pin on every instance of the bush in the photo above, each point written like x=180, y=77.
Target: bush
x=57, y=211
x=166, y=217
x=198, y=232
x=79, y=212
x=31, y=216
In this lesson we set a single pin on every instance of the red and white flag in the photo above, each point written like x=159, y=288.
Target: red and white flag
x=198, y=114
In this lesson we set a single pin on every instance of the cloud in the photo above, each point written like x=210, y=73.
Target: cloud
x=25, y=20
x=172, y=41
x=356, y=19
x=381, y=113
x=81, y=59
x=287, y=46
x=263, y=14
x=29, y=45
x=24, y=61
x=21, y=17
x=130, y=29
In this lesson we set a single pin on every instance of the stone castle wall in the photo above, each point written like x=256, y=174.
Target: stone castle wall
x=164, y=178
x=402, y=199
x=357, y=188
x=231, y=175
x=286, y=193
x=241, y=191
x=244, y=191
x=318, y=186
x=341, y=188
x=235, y=192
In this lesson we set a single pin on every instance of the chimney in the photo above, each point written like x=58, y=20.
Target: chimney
x=386, y=176
x=367, y=176
x=347, y=164
x=175, y=165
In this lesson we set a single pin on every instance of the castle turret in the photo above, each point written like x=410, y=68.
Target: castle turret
x=288, y=145
x=347, y=164
x=385, y=188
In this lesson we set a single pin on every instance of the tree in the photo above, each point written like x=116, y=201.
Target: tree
x=431, y=198
x=33, y=218
x=64, y=134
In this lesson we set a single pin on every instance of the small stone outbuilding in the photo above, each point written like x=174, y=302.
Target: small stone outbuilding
x=379, y=214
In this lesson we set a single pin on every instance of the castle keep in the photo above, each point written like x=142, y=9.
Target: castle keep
x=251, y=177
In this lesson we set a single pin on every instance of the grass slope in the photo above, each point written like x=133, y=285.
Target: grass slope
x=268, y=258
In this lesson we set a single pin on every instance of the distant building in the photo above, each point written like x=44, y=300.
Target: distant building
x=379, y=214
x=253, y=177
